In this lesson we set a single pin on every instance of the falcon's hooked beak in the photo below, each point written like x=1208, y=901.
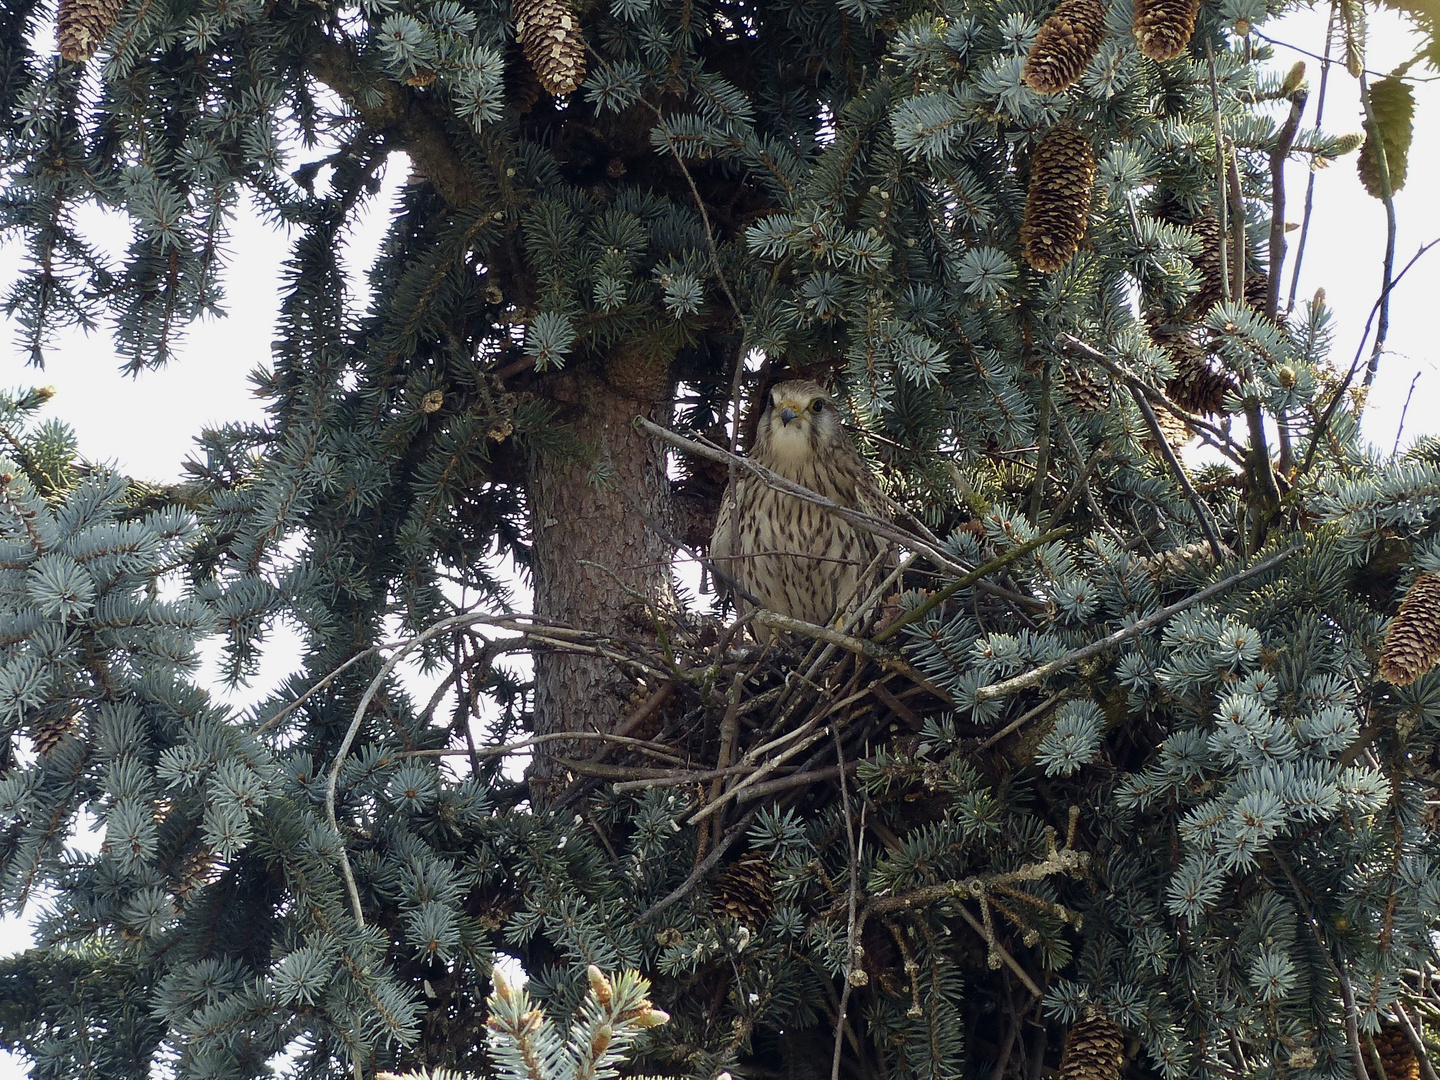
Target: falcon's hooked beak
x=788, y=411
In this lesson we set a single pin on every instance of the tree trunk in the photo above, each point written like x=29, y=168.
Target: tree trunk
x=595, y=554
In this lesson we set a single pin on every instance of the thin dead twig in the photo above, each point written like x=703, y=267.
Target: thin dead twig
x=868, y=649
x=1310, y=181
x=1324, y=423
x=852, y=903
x=1202, y=512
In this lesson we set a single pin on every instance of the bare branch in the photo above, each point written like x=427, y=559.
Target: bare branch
x=1202, y=512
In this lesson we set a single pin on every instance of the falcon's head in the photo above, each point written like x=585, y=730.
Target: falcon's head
x=799, y=423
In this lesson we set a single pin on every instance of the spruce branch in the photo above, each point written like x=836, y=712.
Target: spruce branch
x=1216, y=435
x=1347, y=992
x=1036, y=676
x=400, y=115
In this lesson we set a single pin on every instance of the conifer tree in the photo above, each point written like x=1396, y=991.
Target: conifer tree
x=1132, y=771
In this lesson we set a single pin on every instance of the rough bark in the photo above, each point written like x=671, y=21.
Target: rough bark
x=596, y=557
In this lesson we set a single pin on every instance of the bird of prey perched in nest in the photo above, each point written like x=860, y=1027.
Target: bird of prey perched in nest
x=796, y=558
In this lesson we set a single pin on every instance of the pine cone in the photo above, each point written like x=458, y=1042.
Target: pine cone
x=1396, y=1054
x=1087, y=388
x=1212, y=281
x=1068, y=40
x=1196, y=386
x=195, y=871
x=1173, y=563
x=1393, y=104
x=1172, y=428
x=522, y=88
x=1412, y=644
x=1207, y=265
x=1162, y=28
x=1094, y=1050
x=1057, y=208
x=550, y=34
x=81, y=26
x=744, y=891
x=47, y=732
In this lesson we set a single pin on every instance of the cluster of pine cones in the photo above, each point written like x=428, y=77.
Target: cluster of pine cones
x=548, y=31
x=1069, y=39
x=1063, y=170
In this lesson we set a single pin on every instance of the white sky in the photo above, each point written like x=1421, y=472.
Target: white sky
x=146, y=424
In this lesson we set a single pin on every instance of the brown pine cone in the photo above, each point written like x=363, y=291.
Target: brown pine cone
x=1396, y=1054
x=1057, y=207
x=745, y=891
x=549, y=32
x=1094, y=1050
x=1179, y=560
x=1196, y=386
x=1088, y=388
x=1163, y=28
x=1212, y=281
x=1412, y=644
x=48, y=731
x=81, y=26
x=1068, y=40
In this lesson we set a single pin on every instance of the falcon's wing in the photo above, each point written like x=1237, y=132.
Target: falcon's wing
x=720, y=545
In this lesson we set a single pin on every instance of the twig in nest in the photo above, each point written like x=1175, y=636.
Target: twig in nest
x=854, y=976
x=965, y=580
x=868, y=649
x=794, y=780
x=650, y=778
x=1347, y=992
x=760, y=773
x=641, y=745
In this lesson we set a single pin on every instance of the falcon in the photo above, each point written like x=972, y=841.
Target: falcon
x=796, y=558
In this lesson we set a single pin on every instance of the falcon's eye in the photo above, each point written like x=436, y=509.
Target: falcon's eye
x=818, y=406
